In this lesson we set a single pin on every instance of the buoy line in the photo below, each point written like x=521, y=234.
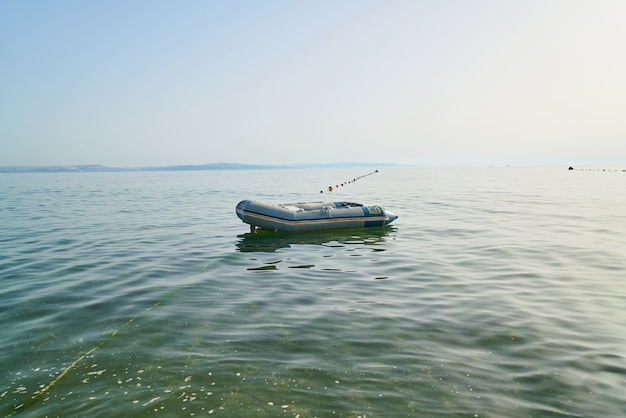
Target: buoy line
x=345, y=183
x=617, y=170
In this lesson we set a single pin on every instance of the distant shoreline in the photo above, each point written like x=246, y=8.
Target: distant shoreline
x=94, y=168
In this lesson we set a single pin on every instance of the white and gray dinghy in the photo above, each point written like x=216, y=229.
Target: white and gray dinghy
x=312, y=216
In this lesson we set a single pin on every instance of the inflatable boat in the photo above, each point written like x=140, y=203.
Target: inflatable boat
x=312, y=216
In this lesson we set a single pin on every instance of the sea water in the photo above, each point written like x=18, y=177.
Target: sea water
x=498, y=292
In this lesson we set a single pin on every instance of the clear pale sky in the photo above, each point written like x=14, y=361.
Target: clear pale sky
x=144, y=83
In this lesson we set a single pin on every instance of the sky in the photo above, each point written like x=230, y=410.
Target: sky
x=146, y=83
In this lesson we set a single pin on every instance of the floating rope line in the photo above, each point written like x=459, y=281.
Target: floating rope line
x=73, y=364
x=345, y=183
x=33, y=399
x=597, y=169
x=84, y=356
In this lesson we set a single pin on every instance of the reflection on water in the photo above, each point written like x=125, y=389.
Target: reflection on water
x=271, y=241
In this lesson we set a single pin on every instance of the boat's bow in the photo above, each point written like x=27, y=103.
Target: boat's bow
x=392, y=216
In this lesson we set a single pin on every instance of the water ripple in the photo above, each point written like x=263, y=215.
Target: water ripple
x=498, y=292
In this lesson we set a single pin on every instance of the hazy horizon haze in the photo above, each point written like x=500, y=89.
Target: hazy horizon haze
x=427, y=83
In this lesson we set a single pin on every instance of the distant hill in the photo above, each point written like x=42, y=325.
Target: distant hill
x=61, y=169
x=93, y=168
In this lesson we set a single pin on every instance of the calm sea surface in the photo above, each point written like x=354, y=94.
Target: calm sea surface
x=499, y=292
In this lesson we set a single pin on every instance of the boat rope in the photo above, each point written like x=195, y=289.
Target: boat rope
x=345, y=183
x=73, y=364
x=164, y=298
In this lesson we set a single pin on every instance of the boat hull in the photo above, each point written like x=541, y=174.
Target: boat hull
x=312, y=216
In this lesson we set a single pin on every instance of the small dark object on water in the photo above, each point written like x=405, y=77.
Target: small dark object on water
x=571, y=168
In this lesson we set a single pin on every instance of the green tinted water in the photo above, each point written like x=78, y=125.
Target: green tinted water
x=498, y=292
